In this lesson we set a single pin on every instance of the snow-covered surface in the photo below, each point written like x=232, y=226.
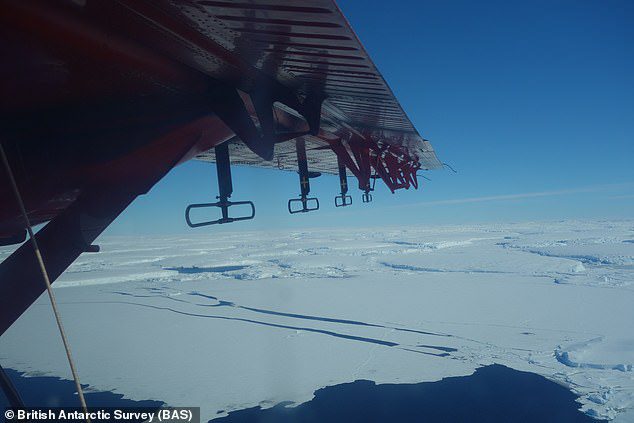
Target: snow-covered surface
x=228, y=321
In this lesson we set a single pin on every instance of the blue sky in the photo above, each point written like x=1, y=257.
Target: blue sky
x=532, y=103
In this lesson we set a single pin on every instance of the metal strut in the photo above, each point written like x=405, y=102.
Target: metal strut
x=10, y=391
x=343, y=200
x=47, y=281
x=225, y=188
x=361, y=153
x=307, y=204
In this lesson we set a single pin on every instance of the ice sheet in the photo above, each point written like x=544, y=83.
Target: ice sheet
x=234, y=320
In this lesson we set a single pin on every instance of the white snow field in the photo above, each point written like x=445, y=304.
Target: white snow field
x=226, y=321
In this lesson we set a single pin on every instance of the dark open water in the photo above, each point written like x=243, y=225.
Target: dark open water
x=492, y=394
x=49, y=391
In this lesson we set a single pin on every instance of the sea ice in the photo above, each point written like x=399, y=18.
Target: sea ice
x=234, y=320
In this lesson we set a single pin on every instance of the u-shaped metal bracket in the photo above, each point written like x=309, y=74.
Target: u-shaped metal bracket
x=307, y=205
x=224, y=207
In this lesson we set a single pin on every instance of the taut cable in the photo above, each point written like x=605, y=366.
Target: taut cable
x=49, y=289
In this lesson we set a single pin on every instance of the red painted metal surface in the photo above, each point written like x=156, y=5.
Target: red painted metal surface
x=100, y=99
x=93, y=91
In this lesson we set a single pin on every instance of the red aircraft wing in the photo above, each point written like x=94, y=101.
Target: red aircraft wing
x=100, y=99
x=310, y=46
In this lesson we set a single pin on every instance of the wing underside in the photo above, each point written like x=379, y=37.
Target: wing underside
x=101, y=99
x=309, y=47
x=95, y=92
